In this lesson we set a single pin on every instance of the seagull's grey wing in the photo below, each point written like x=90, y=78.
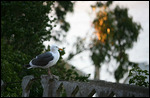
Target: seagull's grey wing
x=45, y=55
x=42, y=59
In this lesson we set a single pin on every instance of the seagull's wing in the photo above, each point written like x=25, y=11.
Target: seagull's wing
x=42, y=59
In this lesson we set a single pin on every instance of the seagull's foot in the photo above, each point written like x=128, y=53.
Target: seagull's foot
x=53, y=76
x=50, y=75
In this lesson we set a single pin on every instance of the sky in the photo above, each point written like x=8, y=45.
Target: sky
x=80, y=22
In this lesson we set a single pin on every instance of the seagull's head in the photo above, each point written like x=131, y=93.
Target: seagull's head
x=55, y=48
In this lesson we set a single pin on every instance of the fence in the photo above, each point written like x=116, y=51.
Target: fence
x=52, y=87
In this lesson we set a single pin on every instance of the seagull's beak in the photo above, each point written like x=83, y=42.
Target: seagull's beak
x=60, y=49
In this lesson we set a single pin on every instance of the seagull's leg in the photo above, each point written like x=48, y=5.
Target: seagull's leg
x=49, y=73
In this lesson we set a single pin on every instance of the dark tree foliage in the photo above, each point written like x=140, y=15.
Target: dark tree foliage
x=23, y=31
x=138, y=77
x=61, y=10
x=24, y=25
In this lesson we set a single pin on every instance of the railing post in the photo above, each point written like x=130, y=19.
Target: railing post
x=26, y=85
x=2, y=85
x=50, y=85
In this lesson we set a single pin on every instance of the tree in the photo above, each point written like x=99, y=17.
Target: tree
x=115, y=32
x=23, y=21
x=20, y=27
x=61, y=8
x=23, y=31
x=138, y=77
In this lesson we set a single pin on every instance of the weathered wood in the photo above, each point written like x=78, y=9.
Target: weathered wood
x=121, y=90
x=26, y=85
x=85, y=90
x=70, y=88
x=52, y=87
x=2, y=85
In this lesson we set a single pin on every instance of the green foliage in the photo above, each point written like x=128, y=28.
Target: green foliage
x=23, y=31
x=100, y=4
x=11, y=70
x=24, y=25
x=61, y=10
x=138, y=77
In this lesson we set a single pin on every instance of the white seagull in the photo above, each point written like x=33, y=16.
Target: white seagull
x=46, y=59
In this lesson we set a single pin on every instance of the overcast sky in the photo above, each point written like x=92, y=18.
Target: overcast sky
x=80, y=22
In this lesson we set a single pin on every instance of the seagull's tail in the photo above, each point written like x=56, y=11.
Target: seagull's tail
x=28, y=66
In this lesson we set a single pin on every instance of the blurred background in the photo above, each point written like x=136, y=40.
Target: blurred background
x=102, y=40
x=81, y=25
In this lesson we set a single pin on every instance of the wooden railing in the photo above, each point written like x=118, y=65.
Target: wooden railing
x=53, y=87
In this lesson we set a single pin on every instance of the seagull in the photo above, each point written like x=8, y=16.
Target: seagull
x=46, y=59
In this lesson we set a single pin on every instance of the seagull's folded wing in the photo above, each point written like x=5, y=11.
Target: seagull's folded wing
x=42, y=59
